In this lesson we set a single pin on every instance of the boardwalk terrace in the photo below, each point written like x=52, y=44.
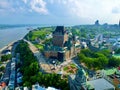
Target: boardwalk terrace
x=64, y=46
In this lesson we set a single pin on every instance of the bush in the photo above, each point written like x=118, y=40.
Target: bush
x=6, y=57
x=2, y=68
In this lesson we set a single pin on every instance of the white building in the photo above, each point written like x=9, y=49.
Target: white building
x=38, y=87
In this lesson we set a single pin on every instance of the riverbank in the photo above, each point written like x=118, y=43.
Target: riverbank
x=9, y=47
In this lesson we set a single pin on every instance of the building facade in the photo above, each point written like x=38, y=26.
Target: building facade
x=63, y=46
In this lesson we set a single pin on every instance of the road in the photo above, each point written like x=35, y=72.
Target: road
x=6, y=75
x=45, y=66
x=36, y=52
x=44, y=63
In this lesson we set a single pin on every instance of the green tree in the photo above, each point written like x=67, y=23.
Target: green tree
x=2, y=68
x=30, y=70
x=114, y=62
x=117, y=51
x=6, y=57
x=96, y=60
x=103, y=61
x=105, y=52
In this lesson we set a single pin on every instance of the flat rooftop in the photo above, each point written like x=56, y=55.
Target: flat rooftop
x=101, y=84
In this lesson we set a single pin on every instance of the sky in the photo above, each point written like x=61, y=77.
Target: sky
x=59, y=12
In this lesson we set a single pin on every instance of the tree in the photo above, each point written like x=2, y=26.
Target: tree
x=103, y=61
x=6, y=57
x=30, y=70
x=2, y=68
x=105, y=52
x=117, y=51
x=114, y=62
x=94, y=59
x=0, y=75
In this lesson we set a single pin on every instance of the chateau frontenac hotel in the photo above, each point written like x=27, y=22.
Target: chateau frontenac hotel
x=64, y=45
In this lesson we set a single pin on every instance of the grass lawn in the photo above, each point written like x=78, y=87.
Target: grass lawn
x=116, y=55
x=73, y=65
x=39, y=46
x=70, y=68
x=110, y=71
x=41, y=33
x=65, y=68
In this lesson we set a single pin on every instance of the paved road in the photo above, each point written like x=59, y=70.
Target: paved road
x=36, y=53
x=6, y=76
x=31, y=46
x=7, y=73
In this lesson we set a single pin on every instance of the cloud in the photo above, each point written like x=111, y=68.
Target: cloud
x=39, y=6
x=25, y=1
x=4, y=5
x=87, y=9
x=116, y=10
x=18, y=6
x=64, y=10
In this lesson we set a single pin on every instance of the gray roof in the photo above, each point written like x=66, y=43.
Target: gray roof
x=59, y=30
x=101, y=84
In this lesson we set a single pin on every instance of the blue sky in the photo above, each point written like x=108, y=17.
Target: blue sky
x=59, y=12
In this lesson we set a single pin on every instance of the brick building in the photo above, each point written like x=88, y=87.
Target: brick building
x=63, y=46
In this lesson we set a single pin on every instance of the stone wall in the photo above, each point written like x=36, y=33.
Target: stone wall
x=49, y=54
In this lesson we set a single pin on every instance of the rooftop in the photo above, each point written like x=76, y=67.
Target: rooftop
x=59, y=30
x=101, y=84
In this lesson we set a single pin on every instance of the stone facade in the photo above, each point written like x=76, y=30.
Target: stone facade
x=63, y=46
x=49, y=54
x=59, y=36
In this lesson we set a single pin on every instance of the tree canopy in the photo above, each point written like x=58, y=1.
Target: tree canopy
x=6, y=57
x=31, y=70
x=98, y=60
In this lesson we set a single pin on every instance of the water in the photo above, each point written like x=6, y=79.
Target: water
x=11, y=34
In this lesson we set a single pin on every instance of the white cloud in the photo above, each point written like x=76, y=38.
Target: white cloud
x=105, y=10
x=25, y=1
x=92, y=9
x=19, y=6
x=4, y=5
x=51, y=1
x=116, y=10
x=39, y=6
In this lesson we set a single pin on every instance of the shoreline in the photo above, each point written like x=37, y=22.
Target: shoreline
x=9, y=46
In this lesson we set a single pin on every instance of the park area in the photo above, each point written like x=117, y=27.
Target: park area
x=70, y=69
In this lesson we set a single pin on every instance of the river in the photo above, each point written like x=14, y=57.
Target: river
x=12, y=34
